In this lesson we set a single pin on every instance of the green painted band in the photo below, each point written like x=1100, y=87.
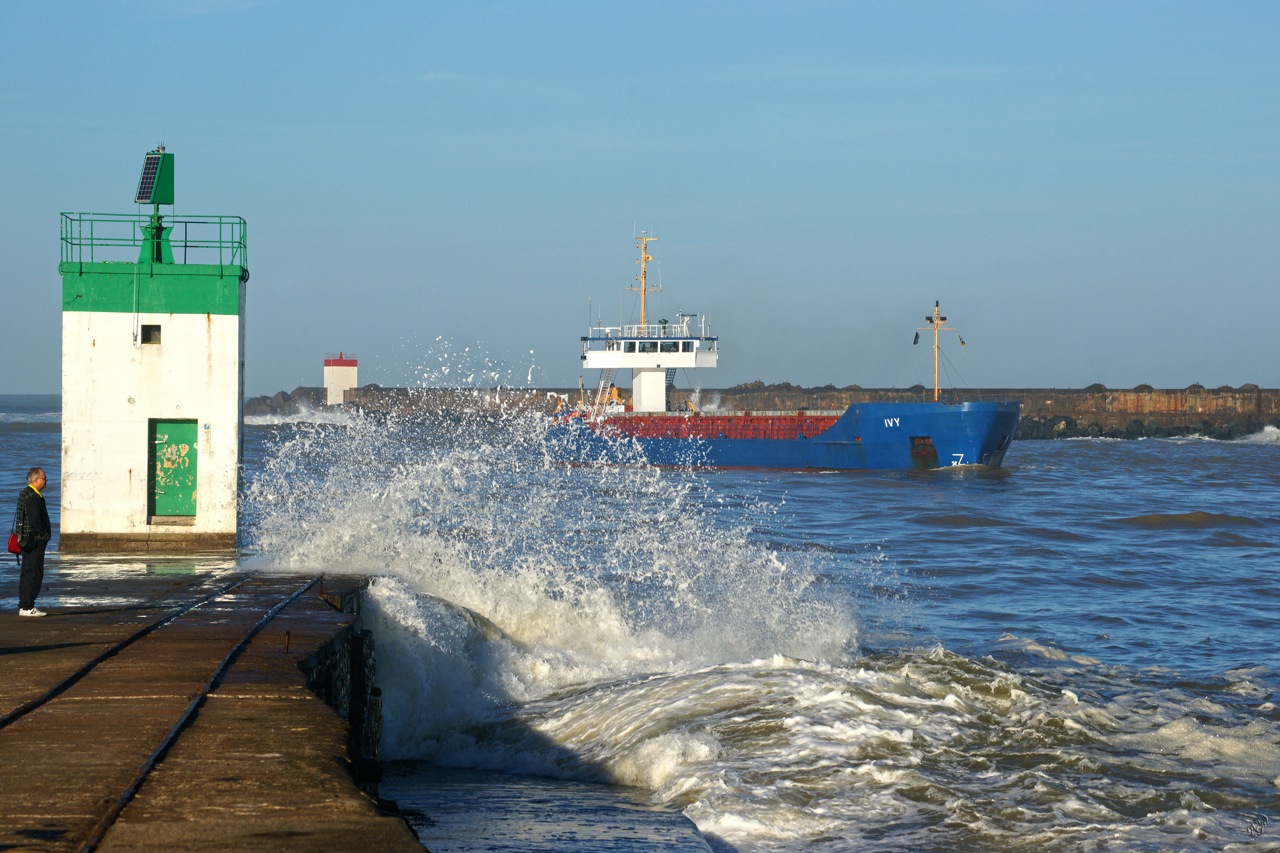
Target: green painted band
x=150, y=288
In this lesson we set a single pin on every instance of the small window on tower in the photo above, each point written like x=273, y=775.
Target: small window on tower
x=151, y=334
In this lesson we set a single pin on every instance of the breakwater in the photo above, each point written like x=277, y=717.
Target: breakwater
x=1046, y=412
x=166, y=707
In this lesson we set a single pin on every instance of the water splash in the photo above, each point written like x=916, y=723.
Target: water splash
x=509, y=577
x=304, y=415
x=473, y=507
x=1267, y=435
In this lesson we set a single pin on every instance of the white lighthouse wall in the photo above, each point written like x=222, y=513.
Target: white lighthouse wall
x=338, y=379
x=112, y=386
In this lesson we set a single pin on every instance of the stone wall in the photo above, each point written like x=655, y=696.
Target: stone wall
x=342, y=674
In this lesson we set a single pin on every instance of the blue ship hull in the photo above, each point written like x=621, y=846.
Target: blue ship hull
x=885, y=436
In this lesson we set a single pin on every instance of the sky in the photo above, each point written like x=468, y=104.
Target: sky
x=1090, y=189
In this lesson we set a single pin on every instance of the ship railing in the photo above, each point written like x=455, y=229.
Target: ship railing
x=195, y=239
x=679, y=329
x=657, y=330
x=668, y=332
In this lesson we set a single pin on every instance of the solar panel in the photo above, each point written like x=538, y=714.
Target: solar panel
x=147, y=183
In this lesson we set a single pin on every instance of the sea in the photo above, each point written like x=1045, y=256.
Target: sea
x=1079, y=651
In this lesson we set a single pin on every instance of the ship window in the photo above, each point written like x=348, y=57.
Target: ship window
x=671, y=346
x=648, y=346
x=150, y=334
x=687, y=346
x=629, y=346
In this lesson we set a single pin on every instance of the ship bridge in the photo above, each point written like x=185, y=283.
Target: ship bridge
x=653, y=352
x=662, y=346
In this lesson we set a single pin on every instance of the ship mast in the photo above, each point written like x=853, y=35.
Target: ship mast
x=643, y=243
x=935, y=323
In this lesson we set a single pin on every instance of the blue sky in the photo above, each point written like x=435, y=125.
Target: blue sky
x=1091, y=189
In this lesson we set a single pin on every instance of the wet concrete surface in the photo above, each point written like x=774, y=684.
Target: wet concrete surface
x=263, y=763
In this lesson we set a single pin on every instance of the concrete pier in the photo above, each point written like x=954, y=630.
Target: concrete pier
x=262, y=764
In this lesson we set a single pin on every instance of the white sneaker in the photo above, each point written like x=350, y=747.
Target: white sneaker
x=32, y=612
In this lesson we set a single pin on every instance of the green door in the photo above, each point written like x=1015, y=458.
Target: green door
x=173, y=467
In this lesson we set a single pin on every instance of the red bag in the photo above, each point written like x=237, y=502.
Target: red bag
x=13, y=543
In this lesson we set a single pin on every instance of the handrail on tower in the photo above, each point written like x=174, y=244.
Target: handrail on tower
x=89, y=238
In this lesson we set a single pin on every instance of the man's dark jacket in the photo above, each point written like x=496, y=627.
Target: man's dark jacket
x=32, y=524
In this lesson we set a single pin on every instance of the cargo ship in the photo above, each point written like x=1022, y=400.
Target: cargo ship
x=891, y=435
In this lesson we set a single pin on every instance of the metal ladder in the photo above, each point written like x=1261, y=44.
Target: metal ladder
x=602, y=390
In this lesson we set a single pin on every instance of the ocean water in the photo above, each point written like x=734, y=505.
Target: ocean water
x=1080, y=651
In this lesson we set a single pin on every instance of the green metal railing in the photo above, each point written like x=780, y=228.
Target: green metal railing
x=96, y=237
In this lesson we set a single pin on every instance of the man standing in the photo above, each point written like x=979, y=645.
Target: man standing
x=34, y=531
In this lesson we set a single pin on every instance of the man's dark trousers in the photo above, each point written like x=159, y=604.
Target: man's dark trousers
x=32, y=575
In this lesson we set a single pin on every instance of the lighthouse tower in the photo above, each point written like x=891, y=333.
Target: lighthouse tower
x=152, y=374
x=339, y=377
